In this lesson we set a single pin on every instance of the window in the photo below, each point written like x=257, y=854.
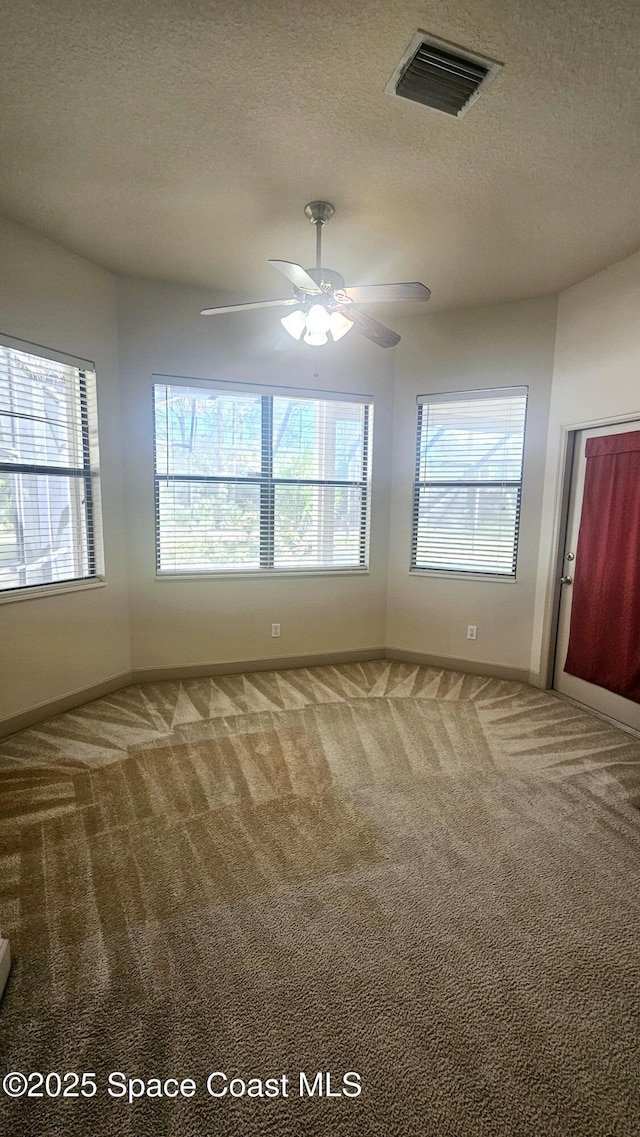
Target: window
x=46, y=479
x=251, y=482
x=468, y=484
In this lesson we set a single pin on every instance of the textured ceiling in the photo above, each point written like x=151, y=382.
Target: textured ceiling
x=180, y=140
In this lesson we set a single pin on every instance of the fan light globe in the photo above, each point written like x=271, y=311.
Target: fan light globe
x=294, y=323
x=339, y=325
x=316, y=339
x=318, y=320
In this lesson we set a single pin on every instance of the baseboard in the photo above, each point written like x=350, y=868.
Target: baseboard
x=539, y=679
x=246, y=666
x=58, y=706
x=5, y=964
x=467, y=666
x=43, y=711
x=78, y=698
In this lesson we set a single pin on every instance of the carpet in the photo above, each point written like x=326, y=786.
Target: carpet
x=419, y=885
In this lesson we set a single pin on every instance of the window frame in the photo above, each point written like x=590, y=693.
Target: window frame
x=267, y=482
x=87, y=472
x=479, y=394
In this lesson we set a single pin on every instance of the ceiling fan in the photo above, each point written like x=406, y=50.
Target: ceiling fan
x=323, y=306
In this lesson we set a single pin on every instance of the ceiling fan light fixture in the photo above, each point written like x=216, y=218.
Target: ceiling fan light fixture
x=339, y=325
x=316, y=324
x=294, y=323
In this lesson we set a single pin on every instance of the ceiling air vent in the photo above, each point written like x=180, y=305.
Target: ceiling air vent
x=441, y=75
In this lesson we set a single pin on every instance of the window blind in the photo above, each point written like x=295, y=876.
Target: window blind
x=46, y=503
x=249, y=482
x=468, y=484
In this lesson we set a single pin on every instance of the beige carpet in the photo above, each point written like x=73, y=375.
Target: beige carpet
x=427, y=878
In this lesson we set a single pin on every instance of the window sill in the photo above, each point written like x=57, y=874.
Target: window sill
x=464, y=576
x=266, y=574
x=42, y=590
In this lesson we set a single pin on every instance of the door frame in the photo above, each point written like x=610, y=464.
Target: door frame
x=568, y=435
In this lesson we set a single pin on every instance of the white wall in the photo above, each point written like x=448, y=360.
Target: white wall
x=498, y=346
x=596, y=376
x=55, y=645
x=178, y=623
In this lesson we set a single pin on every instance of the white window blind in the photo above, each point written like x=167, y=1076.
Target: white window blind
x=468, y=481
x=46, y=502
x=250, y=482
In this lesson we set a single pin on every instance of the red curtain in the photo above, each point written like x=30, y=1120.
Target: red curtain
x=604, y=636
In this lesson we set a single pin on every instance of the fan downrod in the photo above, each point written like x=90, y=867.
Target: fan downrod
x=319, y=212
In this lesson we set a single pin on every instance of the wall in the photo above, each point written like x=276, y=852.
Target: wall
x=185, y=622
x=52, y=646
x=500, y=345
x=596, y=377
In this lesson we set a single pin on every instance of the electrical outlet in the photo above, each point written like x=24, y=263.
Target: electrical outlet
x=472, y=632
x=275, y=631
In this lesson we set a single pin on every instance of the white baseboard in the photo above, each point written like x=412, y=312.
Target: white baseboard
x=5, y=964
x=466, y=666
x=44, y=711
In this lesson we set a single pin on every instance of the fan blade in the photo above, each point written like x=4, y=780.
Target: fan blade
x=247, y=307
x=369, y=327
x=381, y=293
x=297, y=275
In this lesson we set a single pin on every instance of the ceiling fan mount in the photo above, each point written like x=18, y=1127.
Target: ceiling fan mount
x=319, y=212
x=324, y=307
